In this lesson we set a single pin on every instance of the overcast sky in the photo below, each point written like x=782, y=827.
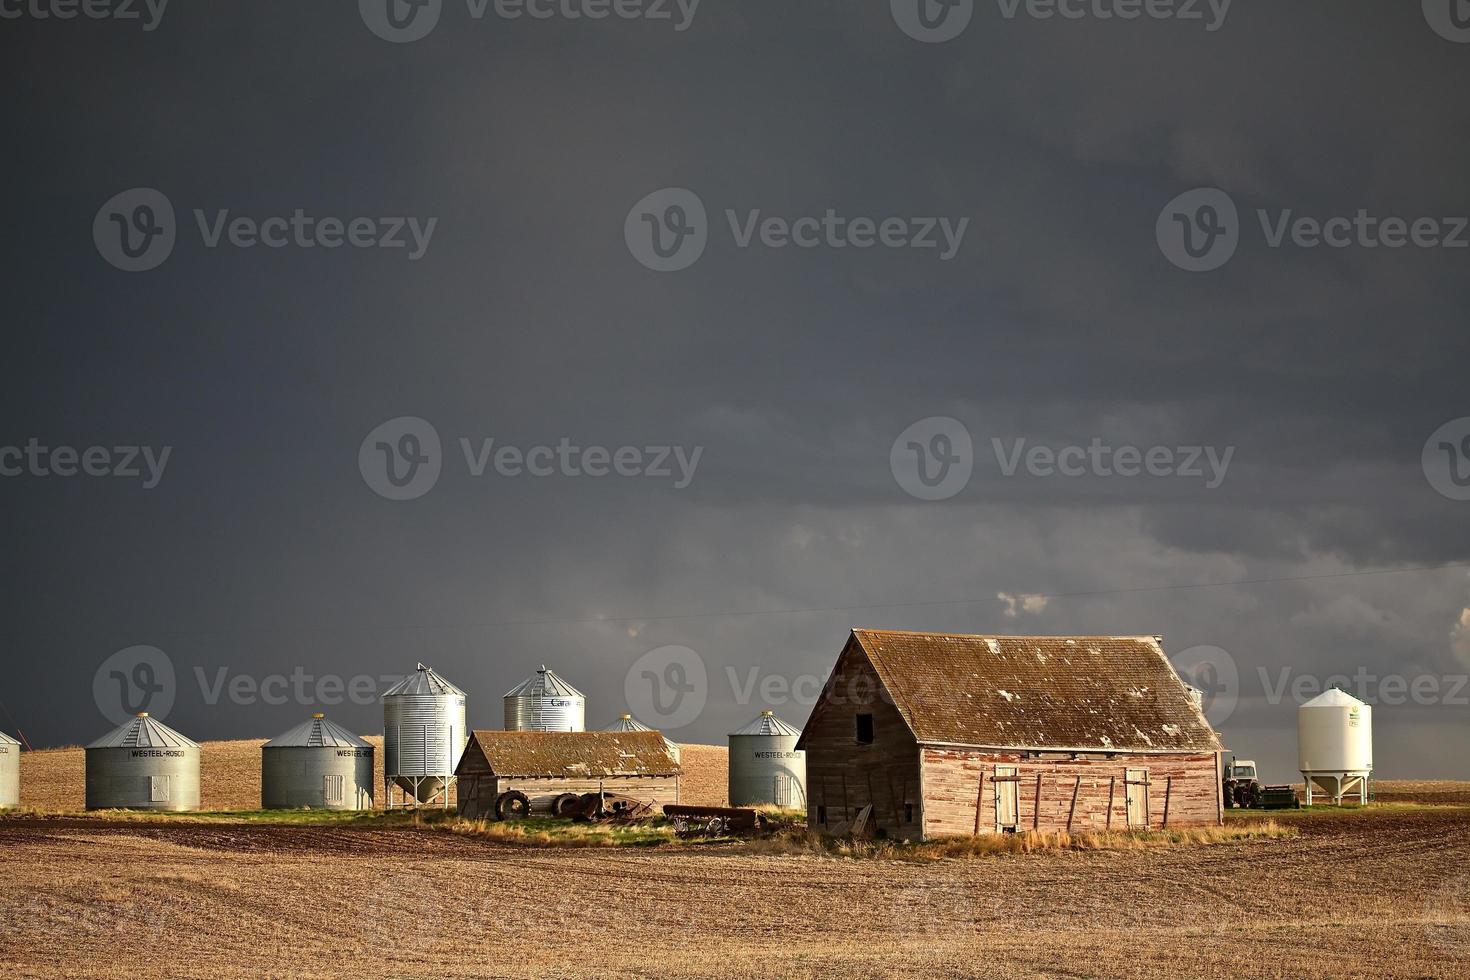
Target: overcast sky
x=535, y=157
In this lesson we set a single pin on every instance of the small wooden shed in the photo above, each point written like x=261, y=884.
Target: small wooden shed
x=943, y=734
x=545, y=765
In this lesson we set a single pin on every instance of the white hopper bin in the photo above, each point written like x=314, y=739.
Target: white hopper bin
x=1335, y=745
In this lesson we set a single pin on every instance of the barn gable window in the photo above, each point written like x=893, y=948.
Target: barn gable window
x=865, y=729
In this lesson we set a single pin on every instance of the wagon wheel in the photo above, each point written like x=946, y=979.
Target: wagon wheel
x=512, y=805
x=716, y=826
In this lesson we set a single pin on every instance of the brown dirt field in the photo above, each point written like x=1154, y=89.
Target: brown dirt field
x=1382, y=893
x=54, y=779
x=1422, y=791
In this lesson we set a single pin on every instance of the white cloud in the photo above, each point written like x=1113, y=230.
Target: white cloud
x=1015, y=605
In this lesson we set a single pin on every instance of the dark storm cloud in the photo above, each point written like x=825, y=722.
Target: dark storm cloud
x=527, y=320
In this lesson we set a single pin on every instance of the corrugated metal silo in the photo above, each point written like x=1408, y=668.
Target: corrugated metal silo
x=627, y=723
x=765, y=766
x=143, y=765
x=424, y=734
x=319, y=765
x=545, y=702
x=9, y=771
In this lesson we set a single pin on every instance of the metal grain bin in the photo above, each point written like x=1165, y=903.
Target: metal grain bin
x=143, y=765
x=424, y=733
x=765, y=766
x=627, y=723
x=317, y=765
x=9, y=771
x=545, y=702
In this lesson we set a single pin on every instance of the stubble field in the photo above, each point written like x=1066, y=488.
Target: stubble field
x=1383, y=892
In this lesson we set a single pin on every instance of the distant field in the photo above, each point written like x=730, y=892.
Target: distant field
x=54, y=779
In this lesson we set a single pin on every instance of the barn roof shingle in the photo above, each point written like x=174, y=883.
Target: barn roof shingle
x=568, y=754
x=1099, y=693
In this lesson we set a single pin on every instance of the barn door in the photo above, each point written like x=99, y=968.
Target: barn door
x=1136, y=784
x=1007, y=798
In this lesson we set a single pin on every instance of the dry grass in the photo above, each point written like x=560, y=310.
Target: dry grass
x=1029, y=842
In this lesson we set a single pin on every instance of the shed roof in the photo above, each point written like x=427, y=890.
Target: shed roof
x=567, y=754
x=8, y=740
x=1094, y=693
x=317, y=732
x=143, y=732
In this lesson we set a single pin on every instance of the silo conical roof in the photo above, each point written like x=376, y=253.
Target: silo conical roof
x=423, y=681
x=8, y=740
x=1334, y=698
x=143, y=732
x=627, y=723
x=317, y=732
x=545, y=683
x=767, y=724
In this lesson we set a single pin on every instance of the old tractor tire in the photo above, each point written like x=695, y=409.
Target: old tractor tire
x=591, y=806
x=566, y=805
x=512, y=805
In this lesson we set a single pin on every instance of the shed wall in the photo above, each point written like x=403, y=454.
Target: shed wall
x=843, y=775
x=1073, y=794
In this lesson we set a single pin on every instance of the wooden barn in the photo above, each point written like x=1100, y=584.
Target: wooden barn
x=546, y=765
x=947, y=735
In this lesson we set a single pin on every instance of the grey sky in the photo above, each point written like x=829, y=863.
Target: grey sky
x=262, y=549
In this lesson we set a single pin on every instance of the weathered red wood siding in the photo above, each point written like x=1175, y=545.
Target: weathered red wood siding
x=842, y=775
x=957, y=780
